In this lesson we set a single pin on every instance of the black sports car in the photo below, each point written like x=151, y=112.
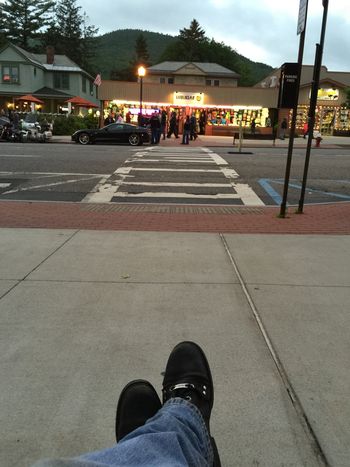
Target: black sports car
x=113, y=133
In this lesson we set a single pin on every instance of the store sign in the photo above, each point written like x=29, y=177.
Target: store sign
x=327, y=94
x=185, y=99
x=289, y=85
x=302, y=16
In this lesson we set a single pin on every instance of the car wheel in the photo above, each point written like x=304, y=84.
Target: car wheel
x=134, y=139
x=84, y=138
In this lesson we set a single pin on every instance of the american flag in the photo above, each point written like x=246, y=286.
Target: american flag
x=98, y=80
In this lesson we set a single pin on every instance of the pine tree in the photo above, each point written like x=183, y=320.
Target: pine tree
x=141, y=50
x=24, y=20
x=191, y=40
x=71, y=35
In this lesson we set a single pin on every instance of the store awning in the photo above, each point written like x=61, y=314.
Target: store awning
x=79, y=101
x=29, y=98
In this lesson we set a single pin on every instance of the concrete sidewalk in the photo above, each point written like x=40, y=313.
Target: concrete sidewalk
x=227, y=141
x=84, y=312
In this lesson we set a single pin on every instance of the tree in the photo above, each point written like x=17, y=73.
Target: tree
x=24, y=20
x=191, y=39
x=71, y=35
x=141, y=50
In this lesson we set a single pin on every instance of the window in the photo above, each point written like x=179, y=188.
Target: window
x=162, y=80
x=91, y=88
x=170, y=80
x=216, y=82
x=34, y=71
x=208, y=82
x=61, y=80
x=83, y=88
x=10, y=74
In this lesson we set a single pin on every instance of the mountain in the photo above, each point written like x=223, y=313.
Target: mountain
x=116, y=49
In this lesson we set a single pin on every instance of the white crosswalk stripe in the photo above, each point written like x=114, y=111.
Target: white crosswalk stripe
x=179, y=171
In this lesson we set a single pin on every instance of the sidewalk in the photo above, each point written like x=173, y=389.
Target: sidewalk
x=84, y=312
x=330, y=142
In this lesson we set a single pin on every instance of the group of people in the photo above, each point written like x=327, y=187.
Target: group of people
x=160, y=128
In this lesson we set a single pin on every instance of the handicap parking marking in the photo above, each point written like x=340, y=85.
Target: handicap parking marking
x=266, y=184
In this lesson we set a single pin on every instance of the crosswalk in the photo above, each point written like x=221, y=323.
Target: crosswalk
x=190, y=175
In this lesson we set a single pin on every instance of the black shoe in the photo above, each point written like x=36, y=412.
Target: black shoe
x=137, y=403
x=188, y=376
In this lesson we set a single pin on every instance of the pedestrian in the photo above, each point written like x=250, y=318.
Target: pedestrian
x=268, y=122
x=252, y=126
x=119, y=119
x=155, y=127
x=163, y=121
x=149, y=434
x=187, y=131
x=283, y=128
x=128, y=117
x=109, y=119
x=173, y=127
x=193, y=123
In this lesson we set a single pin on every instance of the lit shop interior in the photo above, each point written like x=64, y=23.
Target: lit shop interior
x=212, y=119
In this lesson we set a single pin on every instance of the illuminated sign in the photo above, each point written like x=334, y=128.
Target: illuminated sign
x=188, y=98
x=328, y=94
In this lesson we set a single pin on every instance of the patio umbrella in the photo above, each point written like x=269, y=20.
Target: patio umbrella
x=29, y=98
x=79, y=101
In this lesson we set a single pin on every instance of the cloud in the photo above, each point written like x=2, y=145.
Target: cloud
x=263, y=30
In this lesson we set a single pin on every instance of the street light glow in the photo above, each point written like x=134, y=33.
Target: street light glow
x=141, y=71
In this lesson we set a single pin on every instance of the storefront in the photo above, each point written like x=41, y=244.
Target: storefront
x=218, y=111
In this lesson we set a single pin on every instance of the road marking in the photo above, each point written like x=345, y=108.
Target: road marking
x=103, y=192
x=18, y=155
x=213, y=185
x=151, y=194
x=176, y=161
x=145, y=169
x=47, y=185
x=55, y=174
x=4, y=185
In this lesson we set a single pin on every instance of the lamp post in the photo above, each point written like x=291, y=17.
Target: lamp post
x=141, y=72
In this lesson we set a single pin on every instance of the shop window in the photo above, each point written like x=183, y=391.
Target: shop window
x=10, y=74
x=208, y=82
x=216, y=82
x=61, y=80
x=83, y=87
x=162, y=80
x=170, y=80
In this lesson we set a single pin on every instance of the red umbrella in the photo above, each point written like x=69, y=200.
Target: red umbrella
x=29, y=98
x=79, y=101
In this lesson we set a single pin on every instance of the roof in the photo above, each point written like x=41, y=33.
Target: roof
x=61, y=62
x=48, y=92
x=205, y=67
x=339, y=78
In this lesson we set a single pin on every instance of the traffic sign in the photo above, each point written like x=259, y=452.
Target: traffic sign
x=302, y=16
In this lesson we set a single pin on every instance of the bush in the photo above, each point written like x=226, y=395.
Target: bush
x=63, y=125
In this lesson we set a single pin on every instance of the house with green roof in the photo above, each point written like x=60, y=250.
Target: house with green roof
x=51, y=78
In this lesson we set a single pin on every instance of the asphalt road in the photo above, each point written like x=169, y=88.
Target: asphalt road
x=67, y=172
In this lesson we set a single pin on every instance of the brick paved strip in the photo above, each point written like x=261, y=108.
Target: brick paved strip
x=331, y=219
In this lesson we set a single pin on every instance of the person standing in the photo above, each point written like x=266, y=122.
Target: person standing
x=163, y=120
x=109, y=120
x=187, y=131
x=155, y=128
x=283, y=129
x=252, y=126
x=193, y=122
x=173, y=128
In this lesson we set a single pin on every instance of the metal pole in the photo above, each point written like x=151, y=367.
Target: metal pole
x=313, y=102
x=293, y=125
x=141, y=83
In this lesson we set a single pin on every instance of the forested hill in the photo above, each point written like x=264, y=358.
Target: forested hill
x=116, y=50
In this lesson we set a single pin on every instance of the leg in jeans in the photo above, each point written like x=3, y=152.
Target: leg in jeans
x=176, y=436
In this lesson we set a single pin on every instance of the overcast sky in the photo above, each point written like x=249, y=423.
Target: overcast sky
x=262, y=30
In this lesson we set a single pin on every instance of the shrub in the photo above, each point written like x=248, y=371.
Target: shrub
x=63, y=125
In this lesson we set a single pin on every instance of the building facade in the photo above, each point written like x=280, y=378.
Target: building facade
x=208, y=90
x=50, y=78
x=332, y=112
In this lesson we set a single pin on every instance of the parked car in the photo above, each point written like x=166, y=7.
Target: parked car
x=113, y=133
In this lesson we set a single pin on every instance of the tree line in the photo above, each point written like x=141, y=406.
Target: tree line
x=34, y=24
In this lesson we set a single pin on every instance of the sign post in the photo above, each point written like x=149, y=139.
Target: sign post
x=303, y=9
x=313, y=102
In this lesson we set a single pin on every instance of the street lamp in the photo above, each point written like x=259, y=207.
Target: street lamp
x=141, y=72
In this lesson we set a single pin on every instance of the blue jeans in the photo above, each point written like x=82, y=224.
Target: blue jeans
x=176, y=436
x=186, y=137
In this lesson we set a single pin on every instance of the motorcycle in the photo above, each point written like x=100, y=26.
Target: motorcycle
x=34, y=132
